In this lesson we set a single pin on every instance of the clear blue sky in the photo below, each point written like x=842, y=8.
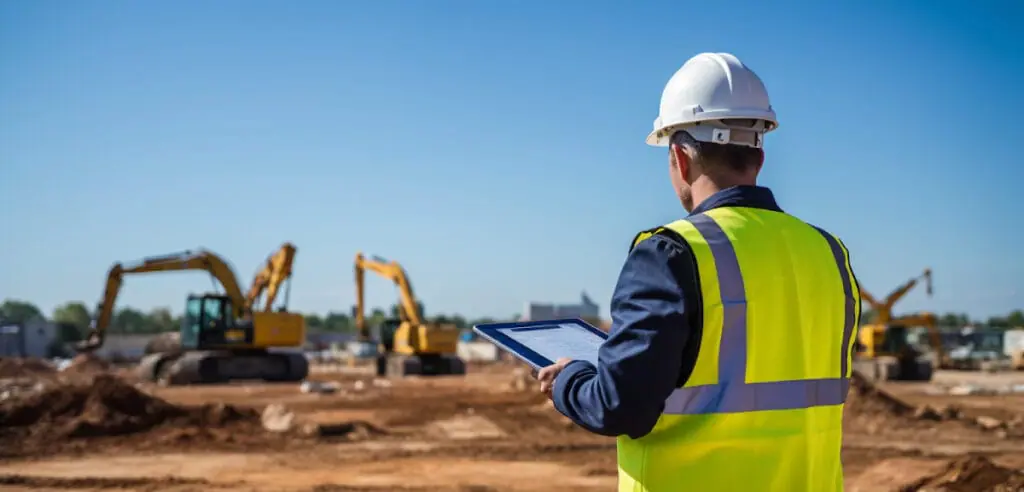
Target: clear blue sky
x=494, y=148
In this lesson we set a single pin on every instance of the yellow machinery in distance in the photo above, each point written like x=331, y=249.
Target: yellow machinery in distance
x=221, y=337
x=883, y=348
x=408, y=345
x=277, y=270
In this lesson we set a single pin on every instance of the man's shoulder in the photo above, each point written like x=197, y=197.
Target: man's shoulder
x=660, y=237
x=824, y=232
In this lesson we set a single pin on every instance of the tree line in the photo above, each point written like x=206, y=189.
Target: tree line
x=1015, y=319
x=74, y=319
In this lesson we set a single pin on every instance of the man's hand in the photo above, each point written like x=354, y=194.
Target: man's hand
x=547, y=375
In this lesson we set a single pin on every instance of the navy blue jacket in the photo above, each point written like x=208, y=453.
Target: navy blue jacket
x=656, y=328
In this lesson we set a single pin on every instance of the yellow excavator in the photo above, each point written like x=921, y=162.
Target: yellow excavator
x=221, y=337
x=884, y=351
x=407, y=345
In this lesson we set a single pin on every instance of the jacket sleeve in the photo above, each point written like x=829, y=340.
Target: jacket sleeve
x=640, y=363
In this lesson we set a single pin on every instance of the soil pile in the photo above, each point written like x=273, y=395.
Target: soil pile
x=872, y=410
x=75, y=411
x=15, y=367
x=87, y=364
x=867, y=399
x=970, y=474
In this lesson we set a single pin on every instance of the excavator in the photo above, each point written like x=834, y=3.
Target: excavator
x=276, y=270
x=221, y=337
x=408, y=345
x=883, y=348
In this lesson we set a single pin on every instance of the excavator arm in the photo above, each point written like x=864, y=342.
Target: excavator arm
x=868, y=298
x=390, y=270
x=275, y=272
x=188, y=260
x=884, y=307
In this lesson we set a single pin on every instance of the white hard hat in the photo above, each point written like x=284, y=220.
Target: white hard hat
x=715, y=98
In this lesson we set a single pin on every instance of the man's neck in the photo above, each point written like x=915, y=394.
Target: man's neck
x=705, y=186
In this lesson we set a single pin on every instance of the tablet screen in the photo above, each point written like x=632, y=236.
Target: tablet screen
x=558, y=340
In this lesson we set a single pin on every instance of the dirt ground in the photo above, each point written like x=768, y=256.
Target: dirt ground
x=487, y=431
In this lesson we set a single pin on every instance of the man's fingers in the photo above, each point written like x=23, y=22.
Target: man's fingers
x=545, y=373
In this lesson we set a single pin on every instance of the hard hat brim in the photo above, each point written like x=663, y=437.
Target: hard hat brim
x=658, y=139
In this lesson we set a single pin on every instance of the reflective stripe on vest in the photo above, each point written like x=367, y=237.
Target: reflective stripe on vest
x=732, y=394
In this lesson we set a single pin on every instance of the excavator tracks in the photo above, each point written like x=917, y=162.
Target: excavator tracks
x=420, y=365
x=213, y=367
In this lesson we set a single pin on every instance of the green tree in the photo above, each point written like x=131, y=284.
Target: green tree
x=73, y=313
x=998, y=322
x=67, y=333
x=160, y=320
x=16, y=311
x=1015, y=319
x=482, y=321
x=397, y=308
x=337, y=322
x=954, y=320
x=314, y=322
x=129, y=320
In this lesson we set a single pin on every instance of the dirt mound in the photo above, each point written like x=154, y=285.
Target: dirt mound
x=867, y=399
x=87, y=364
x=971, y=474
x=106, y=406
x=16, y=367
x=872, y=410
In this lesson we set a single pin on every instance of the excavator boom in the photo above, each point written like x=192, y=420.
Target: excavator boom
x=390, y=270
x=276, y=271
x=884, y=307
x=187, y=260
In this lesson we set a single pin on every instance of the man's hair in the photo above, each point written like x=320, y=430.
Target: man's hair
x=714, y=157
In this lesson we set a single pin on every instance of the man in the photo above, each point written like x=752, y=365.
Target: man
x=728, y=360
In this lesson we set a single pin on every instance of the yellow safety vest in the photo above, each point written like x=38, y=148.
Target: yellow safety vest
x=763, y=408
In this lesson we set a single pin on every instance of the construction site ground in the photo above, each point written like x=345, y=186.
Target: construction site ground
x=488, y=431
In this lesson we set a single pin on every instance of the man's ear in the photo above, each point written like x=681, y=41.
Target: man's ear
x=682, y=162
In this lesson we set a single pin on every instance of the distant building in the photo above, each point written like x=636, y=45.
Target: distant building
x=124, y=346
x=586, y=309
x=32, y=338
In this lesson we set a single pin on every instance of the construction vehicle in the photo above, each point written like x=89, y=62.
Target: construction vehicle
x=221, y=337
x=407, y=345
x=276, y=270
x=883, y=348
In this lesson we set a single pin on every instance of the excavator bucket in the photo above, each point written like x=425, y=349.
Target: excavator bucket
x=91, y=343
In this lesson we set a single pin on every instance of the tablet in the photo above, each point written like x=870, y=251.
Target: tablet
x=541, y=343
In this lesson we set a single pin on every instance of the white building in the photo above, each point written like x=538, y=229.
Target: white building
x=586, y=309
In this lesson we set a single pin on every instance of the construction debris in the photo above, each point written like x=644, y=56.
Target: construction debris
x=319, y=387
x=971, y=474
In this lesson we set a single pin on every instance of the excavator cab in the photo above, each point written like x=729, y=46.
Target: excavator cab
x=895, y=340
x=209, y=323
x=385, y=333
